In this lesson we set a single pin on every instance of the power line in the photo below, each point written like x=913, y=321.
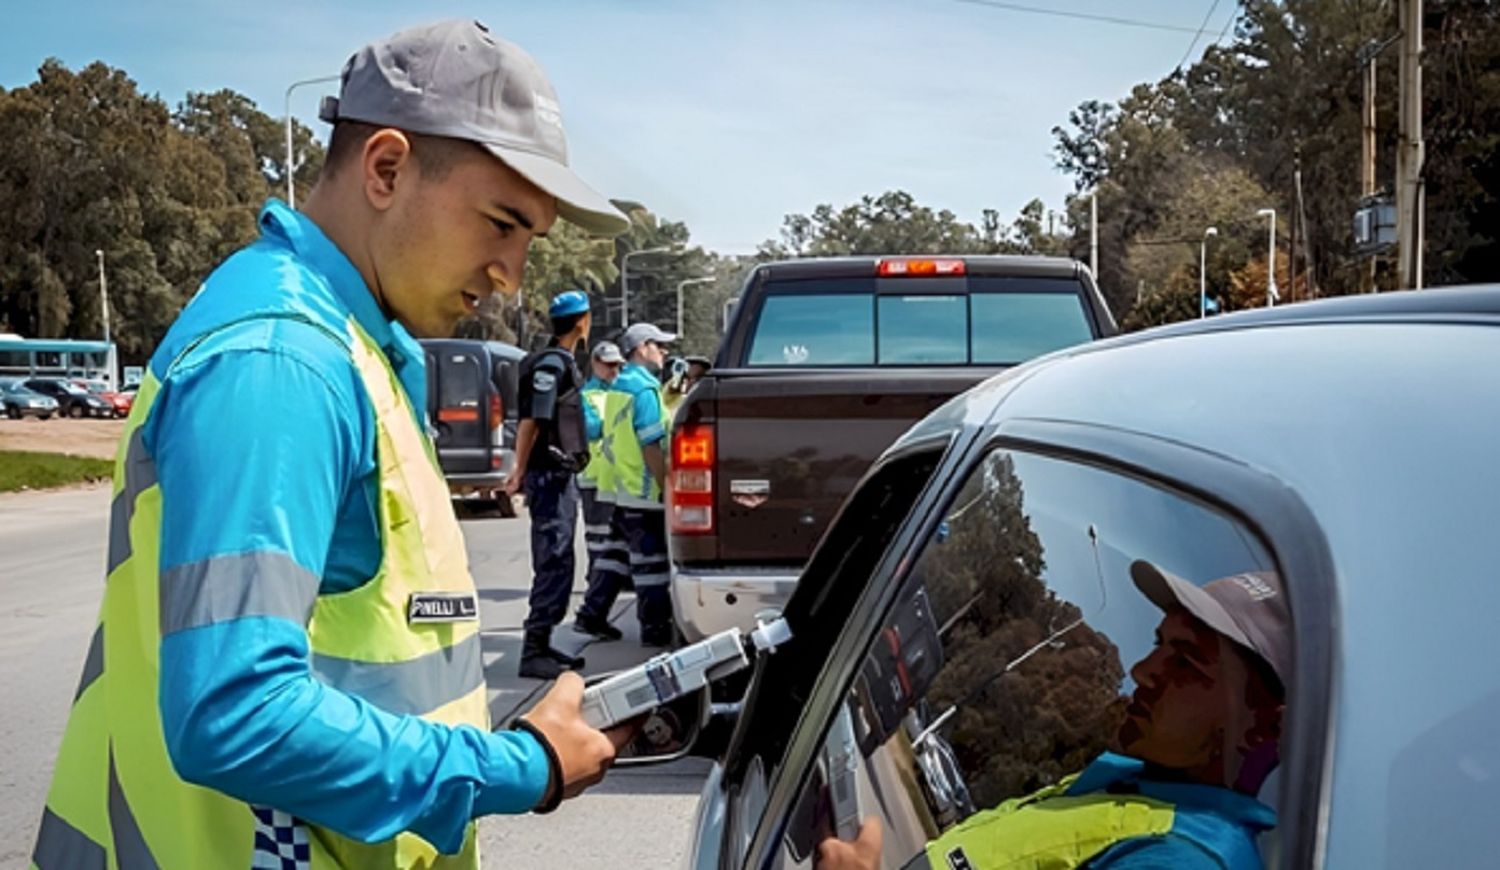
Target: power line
x=1194, y=44
x=1085, y=16
x=1233, y=17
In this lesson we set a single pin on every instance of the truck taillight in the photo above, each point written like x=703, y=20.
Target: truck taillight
x=907, y=267
x=497, y=411
x=690, y=483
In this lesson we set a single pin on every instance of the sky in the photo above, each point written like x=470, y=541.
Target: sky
x=724, y=114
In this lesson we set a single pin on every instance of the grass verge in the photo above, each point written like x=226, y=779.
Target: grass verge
x=20, y=469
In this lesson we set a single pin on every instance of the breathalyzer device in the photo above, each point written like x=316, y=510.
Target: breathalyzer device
x=671, y=675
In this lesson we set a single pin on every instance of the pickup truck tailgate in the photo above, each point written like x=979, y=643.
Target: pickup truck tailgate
x=791, y=448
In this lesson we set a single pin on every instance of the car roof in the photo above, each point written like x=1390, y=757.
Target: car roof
x=1472, y=305
x=1380, y=414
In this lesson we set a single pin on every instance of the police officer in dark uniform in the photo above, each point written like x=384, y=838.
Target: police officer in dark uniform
x=551, y=447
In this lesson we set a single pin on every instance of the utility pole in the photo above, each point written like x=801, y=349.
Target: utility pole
x=1271, y=294
x=1410, y=156
x=109, y=349
x=1203, y=272
x=1094, y=233
x=1367, y=153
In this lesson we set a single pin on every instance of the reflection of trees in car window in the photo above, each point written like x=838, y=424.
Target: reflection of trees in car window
x=1019, y=729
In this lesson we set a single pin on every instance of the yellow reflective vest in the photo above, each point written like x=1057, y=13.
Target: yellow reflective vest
x=598, y=474
x=116, y=801
x=634, y=485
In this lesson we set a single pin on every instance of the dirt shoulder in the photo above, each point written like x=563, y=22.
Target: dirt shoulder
x=96, y=438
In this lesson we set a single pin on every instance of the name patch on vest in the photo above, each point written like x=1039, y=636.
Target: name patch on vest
x=957, y=860
x=442, y=607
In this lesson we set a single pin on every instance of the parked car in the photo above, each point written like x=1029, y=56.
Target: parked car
x=120, y=401
x=966, y=629
x=21, y=402
x=471, y=407
x=825, y=363
x=72, y=400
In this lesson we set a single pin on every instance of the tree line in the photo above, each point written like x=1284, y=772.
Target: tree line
x=1270, y=119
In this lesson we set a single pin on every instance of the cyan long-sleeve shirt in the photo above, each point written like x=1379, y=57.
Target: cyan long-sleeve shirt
x=646, y=414
x=263, y=440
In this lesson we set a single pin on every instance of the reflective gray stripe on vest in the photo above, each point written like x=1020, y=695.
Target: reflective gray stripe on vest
x=413, y=687
x=60, y=846
x=93, y=664
x=262, y=583
x=131, y=852
x=140, y=475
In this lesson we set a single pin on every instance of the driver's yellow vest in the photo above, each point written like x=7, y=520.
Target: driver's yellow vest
x=1021, y=834
x=634, y=485
x=116, y=803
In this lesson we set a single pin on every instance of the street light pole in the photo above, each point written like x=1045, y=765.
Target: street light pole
x=1271, y=294
x=1094, y=233
x=625, y=280
x=291, y=190
x=1203, y=272
x=109, y=350
x=680, y=285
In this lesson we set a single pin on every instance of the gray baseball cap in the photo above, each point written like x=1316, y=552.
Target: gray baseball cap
x=608, y=352
x=638, y=334
x=456, y=79
x=1249, y=609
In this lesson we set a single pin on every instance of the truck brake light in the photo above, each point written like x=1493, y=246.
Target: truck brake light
x=690, y=484
x=905, y=267
x=497, y=410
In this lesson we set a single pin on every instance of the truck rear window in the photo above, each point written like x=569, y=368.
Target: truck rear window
x=984, y=320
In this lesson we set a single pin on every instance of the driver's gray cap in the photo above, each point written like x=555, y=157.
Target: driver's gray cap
x=1249, y=609
x=456, y=79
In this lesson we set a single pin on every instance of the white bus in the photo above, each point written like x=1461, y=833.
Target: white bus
x=56, y=358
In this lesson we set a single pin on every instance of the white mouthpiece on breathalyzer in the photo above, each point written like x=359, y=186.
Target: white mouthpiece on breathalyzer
x=767, y=636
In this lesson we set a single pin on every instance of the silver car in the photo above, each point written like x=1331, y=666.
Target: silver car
x=18, y=401
x=978, y=629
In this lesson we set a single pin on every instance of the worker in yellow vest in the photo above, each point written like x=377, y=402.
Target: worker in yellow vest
x=603, y=537
x=1201, y=734
x=287, y=667
x=637, y=435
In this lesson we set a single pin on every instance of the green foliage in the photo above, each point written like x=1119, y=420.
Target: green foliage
x=1213, y=143
x=20, y=469
x=894, y=223
x=93, y=164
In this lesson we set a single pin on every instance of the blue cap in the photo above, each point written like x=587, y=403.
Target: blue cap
x=571, y=302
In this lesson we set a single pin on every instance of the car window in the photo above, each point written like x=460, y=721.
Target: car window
x=1013, y=327
x=460, y=381
x=1046, y=656
x=923, y=329
x=835, y=329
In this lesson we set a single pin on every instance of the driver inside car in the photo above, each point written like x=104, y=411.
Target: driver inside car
x=1201, y=735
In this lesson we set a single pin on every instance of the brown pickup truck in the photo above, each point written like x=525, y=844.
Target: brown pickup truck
x=824, y=364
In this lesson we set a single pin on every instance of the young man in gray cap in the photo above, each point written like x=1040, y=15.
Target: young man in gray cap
x=287, y=669
x=636, y=424
x=1201, y=734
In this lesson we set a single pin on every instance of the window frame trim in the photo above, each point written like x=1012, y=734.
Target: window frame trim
x=1262, y=503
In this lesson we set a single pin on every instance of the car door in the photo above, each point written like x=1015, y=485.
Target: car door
x=1002, y=654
